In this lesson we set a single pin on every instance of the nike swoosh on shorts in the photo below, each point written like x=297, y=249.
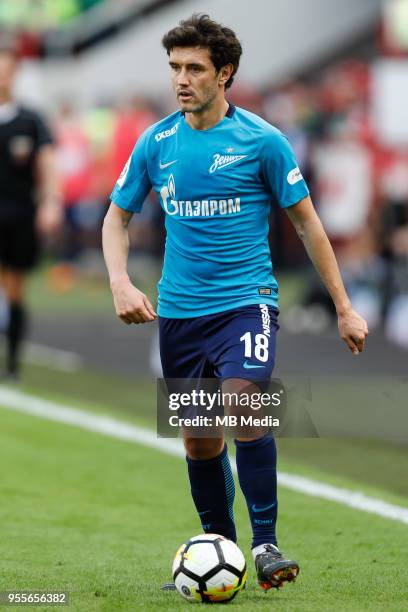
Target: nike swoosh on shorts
x=250, y=366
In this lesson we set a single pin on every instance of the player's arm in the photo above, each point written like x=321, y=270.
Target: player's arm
x=49, y=211
x=353, y=328
x=132, y=306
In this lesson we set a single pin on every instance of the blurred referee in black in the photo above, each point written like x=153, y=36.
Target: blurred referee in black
x=29, y=202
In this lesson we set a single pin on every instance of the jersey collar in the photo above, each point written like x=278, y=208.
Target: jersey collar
x=231, y=110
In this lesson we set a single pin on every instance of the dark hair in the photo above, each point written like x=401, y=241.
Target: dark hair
x=201, y=31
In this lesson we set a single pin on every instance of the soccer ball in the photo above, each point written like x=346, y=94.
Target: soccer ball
x=209, y=568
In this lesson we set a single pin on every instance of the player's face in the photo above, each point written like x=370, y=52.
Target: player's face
x=8, y=67
x=194, y=78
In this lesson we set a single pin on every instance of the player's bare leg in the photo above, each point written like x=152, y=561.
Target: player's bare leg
x=203, y=448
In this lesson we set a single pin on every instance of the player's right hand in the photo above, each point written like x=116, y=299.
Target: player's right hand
x=131, y=305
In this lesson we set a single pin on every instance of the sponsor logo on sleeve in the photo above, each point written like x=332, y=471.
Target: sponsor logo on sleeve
x=294, y=176
x=158, y=137
x=123, y=174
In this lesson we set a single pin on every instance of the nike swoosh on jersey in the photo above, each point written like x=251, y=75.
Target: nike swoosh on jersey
x=162, y=166
x=262, y=508
x=250, y=366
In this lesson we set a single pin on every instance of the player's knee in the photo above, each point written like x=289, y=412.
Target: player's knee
x=13, y=286
x=203, y=448
x=254, y=439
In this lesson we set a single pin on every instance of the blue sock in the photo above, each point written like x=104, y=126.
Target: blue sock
x=213, y=491
x=256, y=465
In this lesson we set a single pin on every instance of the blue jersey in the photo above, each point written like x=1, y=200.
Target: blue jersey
x=216, y=187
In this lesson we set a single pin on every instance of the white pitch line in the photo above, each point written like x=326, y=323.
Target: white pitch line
x=108, y=426
x=53, y=358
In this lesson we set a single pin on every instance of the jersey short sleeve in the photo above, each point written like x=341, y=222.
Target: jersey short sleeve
x=133, y=185
x=43, y=133
x=280, y=170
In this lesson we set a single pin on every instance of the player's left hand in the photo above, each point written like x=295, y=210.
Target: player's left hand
x=353, y=329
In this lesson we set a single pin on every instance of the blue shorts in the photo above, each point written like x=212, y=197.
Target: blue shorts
x=237, y=343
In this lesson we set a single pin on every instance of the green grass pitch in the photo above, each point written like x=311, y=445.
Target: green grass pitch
x=102, y=519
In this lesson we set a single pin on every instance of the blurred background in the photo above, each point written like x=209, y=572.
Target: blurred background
x=332, y=76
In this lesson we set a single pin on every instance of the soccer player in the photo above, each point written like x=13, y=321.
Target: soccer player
x=29, y=201
x=216, y=169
